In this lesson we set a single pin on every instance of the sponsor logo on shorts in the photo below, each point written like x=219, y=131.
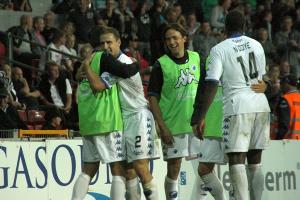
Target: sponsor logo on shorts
x=206, y=188
x=225, y=126
x=173, y=194
x=120, y=155
x=117, y=135
x=136, y=152
x=119, y=148
x=147, y=193
x=227, y=119
x=118, y=142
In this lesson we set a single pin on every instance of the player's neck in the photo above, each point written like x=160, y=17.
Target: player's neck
x=179, y=54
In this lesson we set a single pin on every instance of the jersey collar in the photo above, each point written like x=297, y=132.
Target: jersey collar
x=120, y=53
x=235, y=35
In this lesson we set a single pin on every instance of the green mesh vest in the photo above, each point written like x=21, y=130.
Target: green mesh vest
x=178, y=92
x=99, y=113
x=214, y=115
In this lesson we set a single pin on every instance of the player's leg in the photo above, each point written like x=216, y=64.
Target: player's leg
x=149, y=186
x=171, y=180
x=211, y=152
x=238, y=175
x=173, y=155
x=211, y=182
x=255, y=174
x=118, y=184
x=133, y=189
x=259, y=141
x=141, y=146
x=237, y=134
x=112, y=149
x=82, y=183
x=91, y=158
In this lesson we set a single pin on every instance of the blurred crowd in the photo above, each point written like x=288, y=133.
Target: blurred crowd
x=71, y=28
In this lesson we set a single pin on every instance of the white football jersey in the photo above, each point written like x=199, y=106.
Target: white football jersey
x=131, y=91
x=239, y=62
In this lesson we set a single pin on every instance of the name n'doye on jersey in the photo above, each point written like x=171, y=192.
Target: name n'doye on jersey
x=241, y=47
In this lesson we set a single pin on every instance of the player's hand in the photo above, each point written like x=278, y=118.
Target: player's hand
x=198, y=129
x=259, y=87
x=80, y=75
x=86, y=62
x=166, y=137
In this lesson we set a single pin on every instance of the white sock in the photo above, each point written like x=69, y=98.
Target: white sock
x=118, y=188
x=239, y=182
x=81, y=186
x=171, y=189
x=150, y=190
x=201, y=189
x=256, y=181
x=214, y=186
x=133, y=189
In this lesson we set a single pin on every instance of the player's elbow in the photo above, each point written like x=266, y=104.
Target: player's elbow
x=98, y=87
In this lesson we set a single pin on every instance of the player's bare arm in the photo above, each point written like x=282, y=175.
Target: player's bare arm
x=201, y=107
x=259, y=87
x=165, y=134
x=96, y=84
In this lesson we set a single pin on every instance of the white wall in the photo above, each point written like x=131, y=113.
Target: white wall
x=48, y=170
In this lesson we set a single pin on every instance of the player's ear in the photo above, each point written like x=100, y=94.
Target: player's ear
x=119, y=41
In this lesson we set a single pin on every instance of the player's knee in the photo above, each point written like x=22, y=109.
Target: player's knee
x=173, y=168
x=90, y=168
x=117, y=169
x=236, y=158
x=254, y=156
x=130, y=174
x=205, y=168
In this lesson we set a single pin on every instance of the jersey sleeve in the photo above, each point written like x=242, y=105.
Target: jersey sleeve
x=261, y=62
x=108, y=79
x=214, y=66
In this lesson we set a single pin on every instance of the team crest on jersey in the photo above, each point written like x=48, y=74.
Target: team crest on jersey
x=186, y=76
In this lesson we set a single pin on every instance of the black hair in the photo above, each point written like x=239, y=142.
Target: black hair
x=234, y=22
x=176, y=27
x=290, y=79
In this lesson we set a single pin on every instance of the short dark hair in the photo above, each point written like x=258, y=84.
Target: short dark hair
x=176, y=27
x=290, y=79
x=110, y=30
x=50, y=64
x=57, y=35
x=235, y=22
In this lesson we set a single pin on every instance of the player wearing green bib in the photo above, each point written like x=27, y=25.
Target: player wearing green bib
x=212, y=146
x=107, y=104
x=172, y=90
x=100, y=120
